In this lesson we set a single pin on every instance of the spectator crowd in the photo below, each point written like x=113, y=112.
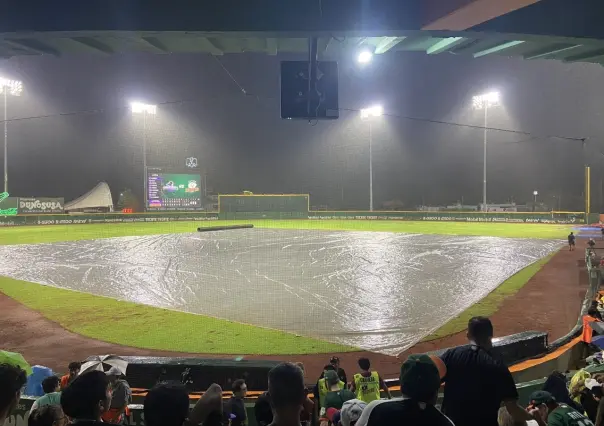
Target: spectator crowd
x=478, y=391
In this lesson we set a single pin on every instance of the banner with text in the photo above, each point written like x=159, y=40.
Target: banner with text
x=101, y=218
x=41, y=205
x=504, y=217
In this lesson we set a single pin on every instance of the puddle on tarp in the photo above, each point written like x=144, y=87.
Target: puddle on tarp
x=375, y=290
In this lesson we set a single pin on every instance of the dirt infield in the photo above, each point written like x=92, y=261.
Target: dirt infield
x=561, y=283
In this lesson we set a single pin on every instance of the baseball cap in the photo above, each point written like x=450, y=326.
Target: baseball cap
x=351, y=411
x=421, y=376
x=541, y=397
x=331, y=377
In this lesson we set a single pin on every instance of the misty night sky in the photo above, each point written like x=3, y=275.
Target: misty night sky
x=242, y=144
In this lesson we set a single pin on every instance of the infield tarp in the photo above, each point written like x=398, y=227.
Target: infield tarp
x=378, y=291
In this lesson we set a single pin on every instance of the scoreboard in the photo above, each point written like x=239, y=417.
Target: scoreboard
x=173, y=191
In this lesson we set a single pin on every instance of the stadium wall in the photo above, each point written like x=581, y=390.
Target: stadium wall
x=81, y=219
x=496, y=217
x=440, y=216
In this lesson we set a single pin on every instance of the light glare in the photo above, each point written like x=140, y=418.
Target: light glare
x=12, y=87
x=139, y=108
x=365, y=56
x=486, y=100
x=373, y=111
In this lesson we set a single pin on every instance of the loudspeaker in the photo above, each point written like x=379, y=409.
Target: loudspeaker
x=324, y=103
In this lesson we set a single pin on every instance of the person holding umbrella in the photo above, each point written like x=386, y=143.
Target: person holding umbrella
x=114, y=367
x=121, y=396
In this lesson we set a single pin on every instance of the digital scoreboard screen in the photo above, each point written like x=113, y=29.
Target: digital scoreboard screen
x=173, y=191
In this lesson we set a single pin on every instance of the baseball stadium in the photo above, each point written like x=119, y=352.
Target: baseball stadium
x=264, y=277
x=314, y=194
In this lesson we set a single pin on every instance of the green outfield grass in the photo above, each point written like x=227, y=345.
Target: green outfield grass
x=46, y=234
x=490, y=304
x=142, y=326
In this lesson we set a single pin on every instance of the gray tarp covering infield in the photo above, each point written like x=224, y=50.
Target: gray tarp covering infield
x=379, y=291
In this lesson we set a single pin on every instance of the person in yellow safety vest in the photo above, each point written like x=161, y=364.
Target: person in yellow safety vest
x=323, y=387
x=367, y=384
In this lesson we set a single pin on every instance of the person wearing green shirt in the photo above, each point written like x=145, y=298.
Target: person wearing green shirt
x=545, y=406
x=336, y=396
x=51, y=386
x=322, y=387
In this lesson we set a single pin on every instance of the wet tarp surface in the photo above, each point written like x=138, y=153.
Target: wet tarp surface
x=374, y=290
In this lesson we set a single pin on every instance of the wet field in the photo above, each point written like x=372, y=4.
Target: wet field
x=379, y=291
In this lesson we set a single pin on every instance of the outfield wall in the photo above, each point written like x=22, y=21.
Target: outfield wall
x=498, y=217
x=504, y=217
x=81, y=219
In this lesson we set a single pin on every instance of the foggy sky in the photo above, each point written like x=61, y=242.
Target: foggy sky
x=242, y=144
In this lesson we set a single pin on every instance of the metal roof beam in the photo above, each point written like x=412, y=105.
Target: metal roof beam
x=210, y=46
x=156, y=44
x=444, y=45
x=94, y=44
x=456, y=15
x=498, y=48
x=387, y=43
x=552, y=50
x=32, y=45
x=587, y=56
x=272, y=46
x=323, y=45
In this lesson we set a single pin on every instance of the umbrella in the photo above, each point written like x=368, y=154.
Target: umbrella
x=16, y=359
x=104, y=363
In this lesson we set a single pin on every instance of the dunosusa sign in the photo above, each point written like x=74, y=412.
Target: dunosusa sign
x=40, y=205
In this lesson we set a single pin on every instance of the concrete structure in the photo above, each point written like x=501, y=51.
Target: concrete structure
x=531, y=29
x=97, y=199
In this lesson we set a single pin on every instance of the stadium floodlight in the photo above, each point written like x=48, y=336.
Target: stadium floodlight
x=140, y=108
x=145, y=110
x=372, y=111
x=12, y=88
x=484, y=102
x=365, y=56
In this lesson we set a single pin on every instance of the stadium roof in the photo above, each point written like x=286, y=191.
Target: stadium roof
x=333, y=45
x=529, y=29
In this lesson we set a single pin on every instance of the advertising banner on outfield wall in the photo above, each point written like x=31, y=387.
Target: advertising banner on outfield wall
x=503, y=217
x=41, y=205
x=556, y=218
x=100, y=218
